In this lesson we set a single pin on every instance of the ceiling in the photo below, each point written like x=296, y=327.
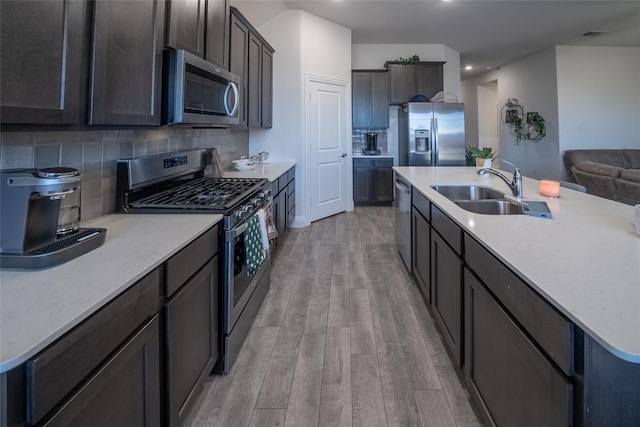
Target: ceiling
x=488, y=34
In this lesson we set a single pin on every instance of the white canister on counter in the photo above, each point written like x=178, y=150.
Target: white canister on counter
x=263, y=157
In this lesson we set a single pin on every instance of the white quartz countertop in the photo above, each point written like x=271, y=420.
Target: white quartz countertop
x=37, y=307
x=585, y=260
x=271, y=171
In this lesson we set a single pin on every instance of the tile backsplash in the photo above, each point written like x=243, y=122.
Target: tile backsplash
x=359, y=140
x=94, y=154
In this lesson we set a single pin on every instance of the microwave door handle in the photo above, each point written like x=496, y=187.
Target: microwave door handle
x=231, y=111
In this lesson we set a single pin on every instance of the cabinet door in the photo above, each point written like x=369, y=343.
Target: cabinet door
x=362, y=185
x=446, y=294
x=238, y=65
x=126, y=63
x=254, y=90
x=217, y=33
x=125, y=391
x=267, y=88
x=379, y=100
x=281, y=215
x=421, y=241
x=430, y=79
x=41, y=62
x=361, y=99
x=509, y=379
x=383, y=185
x=186, y=25
x=402, y=83
x=191, y=340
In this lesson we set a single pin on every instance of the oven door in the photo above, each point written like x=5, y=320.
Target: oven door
x=238, y=284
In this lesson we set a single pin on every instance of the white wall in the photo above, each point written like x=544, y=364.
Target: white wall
x=488, y=116
x=589, y=97
x=304, y=45
x=598, y=97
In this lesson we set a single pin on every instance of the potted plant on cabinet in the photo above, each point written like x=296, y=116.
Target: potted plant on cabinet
x=483, y=156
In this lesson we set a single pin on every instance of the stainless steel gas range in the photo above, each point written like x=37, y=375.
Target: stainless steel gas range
x=177, y=183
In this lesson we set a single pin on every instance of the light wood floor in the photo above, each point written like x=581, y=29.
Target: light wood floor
x=342, y=339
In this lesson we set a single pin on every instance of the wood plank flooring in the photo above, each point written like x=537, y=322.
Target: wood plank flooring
x=342, y=339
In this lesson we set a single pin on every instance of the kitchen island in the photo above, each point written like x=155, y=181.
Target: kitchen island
x=581, y=267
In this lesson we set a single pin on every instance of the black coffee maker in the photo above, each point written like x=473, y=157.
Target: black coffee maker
x=372, y=144
x=33, y=232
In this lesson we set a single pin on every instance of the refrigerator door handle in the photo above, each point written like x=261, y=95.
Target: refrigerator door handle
x=434, y=139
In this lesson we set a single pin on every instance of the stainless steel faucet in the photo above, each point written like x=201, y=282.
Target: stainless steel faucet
x=515, y=184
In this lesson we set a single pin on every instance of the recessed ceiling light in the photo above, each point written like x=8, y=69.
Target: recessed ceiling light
x=468, y=67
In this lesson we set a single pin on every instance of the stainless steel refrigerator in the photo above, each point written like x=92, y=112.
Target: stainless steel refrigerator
x=431, y=134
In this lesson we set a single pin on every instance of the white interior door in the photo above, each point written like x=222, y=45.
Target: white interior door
x=327, y=139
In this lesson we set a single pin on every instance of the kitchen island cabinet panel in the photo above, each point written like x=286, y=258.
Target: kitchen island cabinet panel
x=126, y=63
x=421, y=242
x=42, y=75
x=514, y=383
x=551, y=330
x=446, y=294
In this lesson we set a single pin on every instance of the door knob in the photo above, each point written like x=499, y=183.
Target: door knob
x=344, y=155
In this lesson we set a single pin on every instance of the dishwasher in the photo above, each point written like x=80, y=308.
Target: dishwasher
x=403, y=220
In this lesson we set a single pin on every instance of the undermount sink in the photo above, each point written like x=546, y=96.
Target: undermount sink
x=491, y=207
x=479, y=199
x=468, y=192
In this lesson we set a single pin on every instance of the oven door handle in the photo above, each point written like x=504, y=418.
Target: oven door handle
x=235, y=232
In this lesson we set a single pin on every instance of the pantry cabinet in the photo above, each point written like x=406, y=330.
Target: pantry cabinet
x=42, y=62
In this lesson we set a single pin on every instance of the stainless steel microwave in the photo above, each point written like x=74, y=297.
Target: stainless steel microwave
x=197, y=92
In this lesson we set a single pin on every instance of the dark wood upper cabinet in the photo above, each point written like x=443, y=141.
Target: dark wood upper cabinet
x=126, y=63
x=238, y=54
x=186, y=25
x=217, y=33
x=420, y=78
x=370, y=99
x=251, y=58
x=200, y=27
x=42, y=74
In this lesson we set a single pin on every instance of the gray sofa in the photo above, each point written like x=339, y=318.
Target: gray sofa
x=610, y=173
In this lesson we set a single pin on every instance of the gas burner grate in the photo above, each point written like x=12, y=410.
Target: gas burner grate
x=203, y=193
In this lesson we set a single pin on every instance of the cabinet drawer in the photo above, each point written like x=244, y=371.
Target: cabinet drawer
x=80, y=351
x=124, y=392
x=363, y=163
x=282, y=182
x=291, y=187
x=182, y=265
x=383, y=163
x=274, y=188
x=447, y=229
x=291, y=175
x=551, y=330
x=421, y=204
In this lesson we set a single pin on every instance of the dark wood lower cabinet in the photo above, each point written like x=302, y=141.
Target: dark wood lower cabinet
x=512, y=381
x=372, y=181
x=421, y=253
x=446, y=294
x=125, y=391
x=192, y=340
